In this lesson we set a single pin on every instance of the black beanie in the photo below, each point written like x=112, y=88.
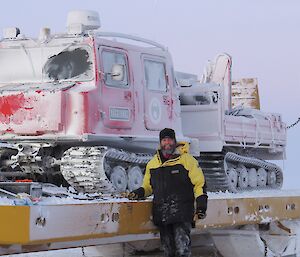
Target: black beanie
x=167, y=132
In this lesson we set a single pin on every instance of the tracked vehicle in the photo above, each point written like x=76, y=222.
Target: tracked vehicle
x=84, y=108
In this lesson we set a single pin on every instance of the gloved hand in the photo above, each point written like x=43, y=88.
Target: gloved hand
x=137, y=194
x=201, y=214
x=201, y=206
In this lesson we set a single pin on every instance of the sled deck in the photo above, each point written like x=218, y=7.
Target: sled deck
x=66, y=223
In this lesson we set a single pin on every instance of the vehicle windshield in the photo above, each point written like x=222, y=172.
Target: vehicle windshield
x=45, y=64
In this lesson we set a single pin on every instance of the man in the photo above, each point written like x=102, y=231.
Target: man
x=176, y=180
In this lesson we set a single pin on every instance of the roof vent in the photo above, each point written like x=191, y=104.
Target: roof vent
x=80, y=21
x=45, y=33
x=11, y=33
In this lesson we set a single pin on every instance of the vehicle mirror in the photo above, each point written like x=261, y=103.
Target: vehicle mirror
x=117, y=72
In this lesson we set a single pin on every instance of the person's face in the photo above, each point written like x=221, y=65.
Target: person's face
x=167, y=144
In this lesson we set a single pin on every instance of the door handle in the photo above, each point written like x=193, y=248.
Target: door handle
x=102, y=115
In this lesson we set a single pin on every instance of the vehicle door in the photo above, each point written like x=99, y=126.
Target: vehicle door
x=117, y=91
x=157, y=100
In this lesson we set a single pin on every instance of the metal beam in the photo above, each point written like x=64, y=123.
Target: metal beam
x=69, y=225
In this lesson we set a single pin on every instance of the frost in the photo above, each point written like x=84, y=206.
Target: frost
x=44, y=64
x=57, y=200
x=183, y=241
x=254, y=217
x=266, y=219
x=251, y=217
x=67, y=198
x=155, y=75
x=253, y=194
x=6, y=201
x=60, y=195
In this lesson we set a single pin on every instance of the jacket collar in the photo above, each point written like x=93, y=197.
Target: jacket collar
x=181, y=148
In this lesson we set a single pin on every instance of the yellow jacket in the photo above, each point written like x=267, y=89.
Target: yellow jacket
x=184, y=159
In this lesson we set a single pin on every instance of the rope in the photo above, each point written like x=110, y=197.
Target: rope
x=294, y=124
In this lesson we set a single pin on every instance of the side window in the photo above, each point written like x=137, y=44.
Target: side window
x=109, y=60
x=155, y=75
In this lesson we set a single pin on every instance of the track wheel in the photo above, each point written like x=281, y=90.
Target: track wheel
x=243, y=177
x=135, y=177
x=261, y=177
x=252, y=177
x=271, y=178
x=118, y=178
x=233, y=177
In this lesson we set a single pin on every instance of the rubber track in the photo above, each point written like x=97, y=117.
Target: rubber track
x=214, y=168
x=84, y=169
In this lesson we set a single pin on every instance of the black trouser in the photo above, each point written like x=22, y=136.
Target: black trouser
x=175, y=239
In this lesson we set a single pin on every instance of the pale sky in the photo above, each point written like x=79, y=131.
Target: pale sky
x=262, y=36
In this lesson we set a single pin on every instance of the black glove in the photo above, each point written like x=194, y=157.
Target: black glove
x=201, y=215
x=201, y=206
x=137, y=194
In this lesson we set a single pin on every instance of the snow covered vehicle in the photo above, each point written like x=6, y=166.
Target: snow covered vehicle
x=85, y=108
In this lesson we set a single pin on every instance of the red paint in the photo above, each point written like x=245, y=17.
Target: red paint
x=11, y=104
x=127, y=95
x=86, y=104
x=97, y=77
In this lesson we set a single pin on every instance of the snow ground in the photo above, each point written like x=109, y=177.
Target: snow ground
x=116, y=250
x=202, y=246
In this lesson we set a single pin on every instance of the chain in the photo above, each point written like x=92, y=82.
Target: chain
x=294, y=124
x=82, y=251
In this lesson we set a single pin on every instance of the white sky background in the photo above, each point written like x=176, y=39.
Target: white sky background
x=263, y=37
